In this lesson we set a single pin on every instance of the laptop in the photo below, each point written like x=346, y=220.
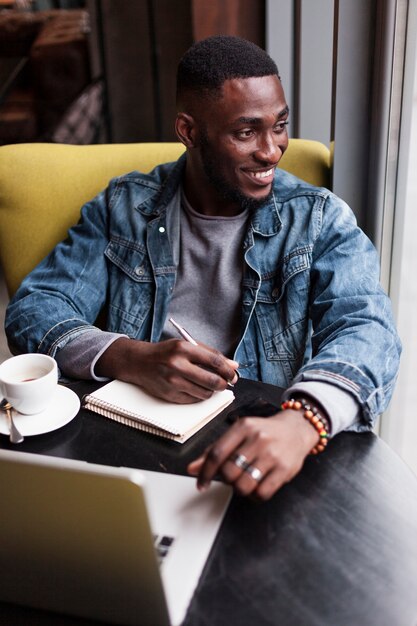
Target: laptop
x=114, y=544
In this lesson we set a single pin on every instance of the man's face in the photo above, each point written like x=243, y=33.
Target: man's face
x=243, y=135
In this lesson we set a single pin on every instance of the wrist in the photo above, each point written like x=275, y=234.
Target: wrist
x=314, y=417
x=320, y=410
x=305, y=437
x=115, y=362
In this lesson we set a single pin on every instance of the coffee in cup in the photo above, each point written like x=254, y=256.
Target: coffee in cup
x=28, y=382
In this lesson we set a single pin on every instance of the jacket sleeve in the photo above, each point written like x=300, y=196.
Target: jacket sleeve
x=355, y=345
x=62, y=297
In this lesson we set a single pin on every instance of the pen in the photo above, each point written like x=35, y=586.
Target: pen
x=186, y=335
x=183, y=332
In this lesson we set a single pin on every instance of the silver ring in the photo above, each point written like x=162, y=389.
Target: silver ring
x=254, y=472
x=240, y=461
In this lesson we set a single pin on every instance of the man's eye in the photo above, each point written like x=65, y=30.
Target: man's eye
x=280, y=127
x=244, y=134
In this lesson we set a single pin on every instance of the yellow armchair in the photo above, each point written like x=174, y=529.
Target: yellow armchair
x=43, y=187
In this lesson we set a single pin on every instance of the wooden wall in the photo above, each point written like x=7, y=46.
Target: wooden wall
x=138, y=45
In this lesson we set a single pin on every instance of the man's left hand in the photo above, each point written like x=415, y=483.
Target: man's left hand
x=257, y=455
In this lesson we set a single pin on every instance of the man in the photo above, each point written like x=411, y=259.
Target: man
x=248, y=258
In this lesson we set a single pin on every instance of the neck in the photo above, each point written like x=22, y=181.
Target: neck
x=202, y=195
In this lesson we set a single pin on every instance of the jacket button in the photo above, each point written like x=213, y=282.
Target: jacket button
x=161, y=229
x=139, y=271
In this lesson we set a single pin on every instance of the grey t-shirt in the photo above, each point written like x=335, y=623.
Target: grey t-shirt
x=208, y=289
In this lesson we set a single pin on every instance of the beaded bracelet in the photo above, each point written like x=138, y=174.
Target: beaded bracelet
x=311, y=413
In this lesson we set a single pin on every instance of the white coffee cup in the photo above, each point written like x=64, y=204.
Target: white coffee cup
x=28, y=382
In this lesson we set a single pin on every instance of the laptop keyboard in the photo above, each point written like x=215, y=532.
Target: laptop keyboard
x=162, y=545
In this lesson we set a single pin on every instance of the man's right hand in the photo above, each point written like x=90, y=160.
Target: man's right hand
x=174, y=370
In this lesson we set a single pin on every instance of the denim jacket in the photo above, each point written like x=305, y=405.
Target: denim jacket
x=312, y=305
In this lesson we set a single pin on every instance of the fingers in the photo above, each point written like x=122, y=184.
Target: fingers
x=241, y=457
x=248, y=477
x=257, y=456
x=177, y=371
x=215, y=457
x=245, y=473
x=174, y=370
x=196, y=370
x=234, y=365
x=262, y=486
x=214, y=362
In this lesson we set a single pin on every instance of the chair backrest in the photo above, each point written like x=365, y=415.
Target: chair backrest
x=43, y=187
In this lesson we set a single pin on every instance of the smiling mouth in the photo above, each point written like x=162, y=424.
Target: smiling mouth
x=261, y=175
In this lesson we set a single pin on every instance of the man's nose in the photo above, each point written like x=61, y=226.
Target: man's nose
x=268, y=149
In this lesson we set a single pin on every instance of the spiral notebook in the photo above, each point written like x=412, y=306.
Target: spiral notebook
x=131, y=405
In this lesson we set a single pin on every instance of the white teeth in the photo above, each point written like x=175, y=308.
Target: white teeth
x=263, y=174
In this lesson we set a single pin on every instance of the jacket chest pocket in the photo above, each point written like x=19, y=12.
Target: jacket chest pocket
x=132, y=286
x=282, y=307
x=131, y=258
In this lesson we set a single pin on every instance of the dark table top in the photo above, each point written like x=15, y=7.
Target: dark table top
x=337, y=546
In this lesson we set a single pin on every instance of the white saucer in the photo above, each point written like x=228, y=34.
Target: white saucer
x=63, y=407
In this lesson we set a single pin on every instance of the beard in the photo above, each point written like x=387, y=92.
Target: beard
x=228, y=192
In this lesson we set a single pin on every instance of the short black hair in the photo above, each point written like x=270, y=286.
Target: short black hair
x=209, y=62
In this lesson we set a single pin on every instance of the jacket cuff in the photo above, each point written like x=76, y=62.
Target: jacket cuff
x=79, y=356
x=342, y=410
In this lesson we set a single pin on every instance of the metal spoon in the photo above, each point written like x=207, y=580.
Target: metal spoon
x=15, y=436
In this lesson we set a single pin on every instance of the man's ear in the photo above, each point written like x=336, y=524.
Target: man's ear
x=186, y=129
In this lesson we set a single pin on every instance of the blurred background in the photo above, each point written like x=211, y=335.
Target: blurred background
x=118, y=57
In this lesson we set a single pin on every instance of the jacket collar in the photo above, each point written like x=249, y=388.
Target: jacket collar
x=156, y=203
x=265, y=219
